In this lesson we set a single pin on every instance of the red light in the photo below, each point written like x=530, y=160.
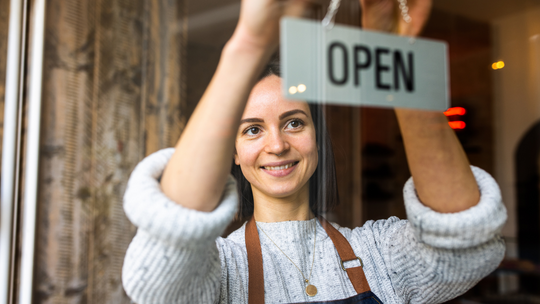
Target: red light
x=457, y=125
x=455, y=111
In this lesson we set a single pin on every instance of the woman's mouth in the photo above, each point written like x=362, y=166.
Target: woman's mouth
x=280, y=170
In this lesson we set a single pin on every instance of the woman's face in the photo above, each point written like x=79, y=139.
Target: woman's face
x=276, y=145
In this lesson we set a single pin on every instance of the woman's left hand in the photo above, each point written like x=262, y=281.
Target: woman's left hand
x=385, y=15
x=442, y=177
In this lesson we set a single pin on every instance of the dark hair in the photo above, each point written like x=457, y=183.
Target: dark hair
x=323, y=192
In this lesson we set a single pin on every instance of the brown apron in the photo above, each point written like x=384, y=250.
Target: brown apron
x=344, y=249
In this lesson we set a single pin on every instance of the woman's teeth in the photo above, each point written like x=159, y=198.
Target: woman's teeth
x=287, y=166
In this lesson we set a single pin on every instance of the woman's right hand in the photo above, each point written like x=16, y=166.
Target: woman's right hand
x=196, y=174
x=258, y=25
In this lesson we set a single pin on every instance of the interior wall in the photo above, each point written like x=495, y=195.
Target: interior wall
x=516, y=93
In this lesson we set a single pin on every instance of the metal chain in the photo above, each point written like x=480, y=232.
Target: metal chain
x=312, y=262
x=328, y=21
x=404, y=11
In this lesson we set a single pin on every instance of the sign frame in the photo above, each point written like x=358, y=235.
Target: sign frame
x=349, y=66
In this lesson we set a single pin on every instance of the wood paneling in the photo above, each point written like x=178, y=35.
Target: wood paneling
x=113, y=93
x=164, y=86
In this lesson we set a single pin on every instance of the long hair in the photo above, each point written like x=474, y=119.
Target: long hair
x=323, y=192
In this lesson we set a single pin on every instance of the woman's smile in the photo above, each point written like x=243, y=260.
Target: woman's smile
x=280, y=169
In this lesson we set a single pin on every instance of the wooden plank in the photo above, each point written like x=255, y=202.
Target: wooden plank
x=98, y=67
x=164, y=90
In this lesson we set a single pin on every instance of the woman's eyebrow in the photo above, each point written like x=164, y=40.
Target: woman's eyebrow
x=291, y=112
x=243, y=121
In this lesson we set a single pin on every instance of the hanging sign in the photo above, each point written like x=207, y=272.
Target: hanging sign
x=349, y=66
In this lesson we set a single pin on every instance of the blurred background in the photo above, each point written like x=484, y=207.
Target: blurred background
x=120, y=78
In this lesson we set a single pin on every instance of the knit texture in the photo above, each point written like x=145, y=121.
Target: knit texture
x=177, y=255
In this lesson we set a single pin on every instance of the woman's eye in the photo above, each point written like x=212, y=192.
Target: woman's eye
x=252, y=131
x=295, y=124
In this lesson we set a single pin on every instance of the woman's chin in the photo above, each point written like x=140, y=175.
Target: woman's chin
x=281, y=192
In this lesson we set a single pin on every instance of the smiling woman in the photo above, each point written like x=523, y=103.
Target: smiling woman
x=270, y=127
x=293, y=120
x=282, y=167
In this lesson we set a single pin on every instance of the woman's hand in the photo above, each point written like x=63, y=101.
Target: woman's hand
x=440, y=168
x=385, y=15
x=258, y=25
x=198, y=170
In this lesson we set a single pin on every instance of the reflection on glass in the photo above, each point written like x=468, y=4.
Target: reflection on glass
x=293, y=90
x=497, y=65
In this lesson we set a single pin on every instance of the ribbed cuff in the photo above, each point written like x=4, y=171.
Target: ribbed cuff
x=148, y=208
x=467, y=228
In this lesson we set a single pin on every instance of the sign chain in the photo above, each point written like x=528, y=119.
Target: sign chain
x=328, y=21
x=404, y=10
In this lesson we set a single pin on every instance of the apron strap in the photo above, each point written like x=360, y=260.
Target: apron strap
x=255, y=264
x=346, y=253
x=255, y=261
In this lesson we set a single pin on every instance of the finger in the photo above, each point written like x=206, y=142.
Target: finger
x=296, y=8
x=374, y=3
x=378, y=8
x=419, y=11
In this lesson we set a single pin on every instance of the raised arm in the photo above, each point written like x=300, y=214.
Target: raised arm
x=174, y=257
x=197, y=172
x=442, y=176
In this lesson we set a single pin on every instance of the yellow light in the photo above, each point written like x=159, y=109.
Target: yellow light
x=293, y=90
x=301, y=88
x=497, y=65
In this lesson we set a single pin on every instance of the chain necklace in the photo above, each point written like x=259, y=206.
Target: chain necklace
x=310, y=290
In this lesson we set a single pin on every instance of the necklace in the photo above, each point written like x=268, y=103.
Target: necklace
x=310, y=289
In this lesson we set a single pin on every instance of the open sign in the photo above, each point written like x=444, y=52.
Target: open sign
x=346, y=65
x=398, y=66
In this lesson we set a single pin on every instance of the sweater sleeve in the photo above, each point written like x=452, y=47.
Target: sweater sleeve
x=173, y=258
x=435, y=257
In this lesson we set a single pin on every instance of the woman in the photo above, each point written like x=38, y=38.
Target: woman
x=182, y=199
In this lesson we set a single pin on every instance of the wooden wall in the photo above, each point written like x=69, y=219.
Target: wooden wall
x=113, y=93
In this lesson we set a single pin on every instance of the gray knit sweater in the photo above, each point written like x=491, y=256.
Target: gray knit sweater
x=178, y=255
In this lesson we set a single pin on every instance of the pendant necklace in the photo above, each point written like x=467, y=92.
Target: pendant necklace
x=310, y=290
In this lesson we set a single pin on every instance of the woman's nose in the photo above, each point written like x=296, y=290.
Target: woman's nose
x=276, y=143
